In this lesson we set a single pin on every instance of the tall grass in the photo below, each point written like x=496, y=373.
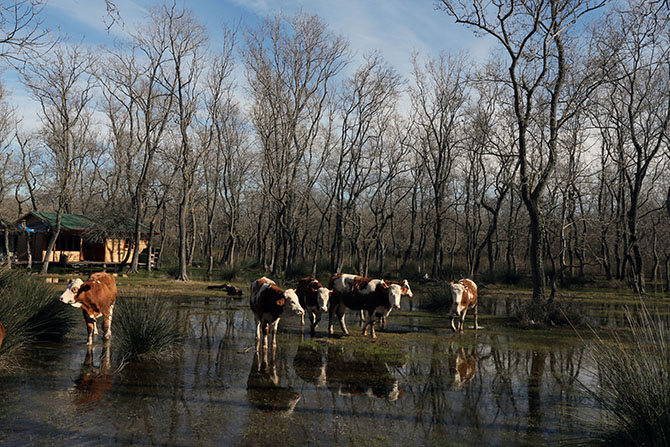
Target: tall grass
x=145, y=328
x=30, y=311
x=634, y=383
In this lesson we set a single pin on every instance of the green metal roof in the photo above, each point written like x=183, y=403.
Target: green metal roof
x=79, y=222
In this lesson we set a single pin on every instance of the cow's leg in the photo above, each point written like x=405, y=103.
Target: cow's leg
x=476, y=316
x=453, y=314
x=258, y=332
x=368, y=321
x=340, y=316
x=90, y=326
x=462, y=320
x=107, y=323
x=363, y=319
x=266, y=328
x=314, y=318
x=274, y=333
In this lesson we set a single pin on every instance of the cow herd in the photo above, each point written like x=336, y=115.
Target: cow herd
x=375, y=298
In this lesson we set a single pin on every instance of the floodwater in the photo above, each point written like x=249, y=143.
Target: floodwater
x=418, y=384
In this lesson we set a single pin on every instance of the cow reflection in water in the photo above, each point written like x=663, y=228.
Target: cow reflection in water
x=93, y=383
x=309, y=365
x=349, y=375
x=462, y=365
x=263, y=389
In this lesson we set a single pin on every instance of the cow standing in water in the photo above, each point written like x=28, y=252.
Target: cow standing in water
x=313, y=299
x=267, y=301
x=463, y=297
x=357, y=293
x=95, y=297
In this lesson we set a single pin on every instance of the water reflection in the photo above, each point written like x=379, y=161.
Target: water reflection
x=309, y=365
x=94, y=381
x=349, y=373
x=263, y=389
x=497, y=387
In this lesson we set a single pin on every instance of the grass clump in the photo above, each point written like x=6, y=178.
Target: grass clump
x=30, y=311
x=145, y=328
x=634, y=383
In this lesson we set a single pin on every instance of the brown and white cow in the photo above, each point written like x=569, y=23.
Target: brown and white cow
x=2, y=334
x=95, y=297
x=267, y=301
x=406, y=291
x=374, y=296
x=463, y=297
x=313, y=299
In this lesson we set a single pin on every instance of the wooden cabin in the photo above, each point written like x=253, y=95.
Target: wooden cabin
x=82, y=239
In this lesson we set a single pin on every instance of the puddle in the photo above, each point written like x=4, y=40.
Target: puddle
x=418, y=384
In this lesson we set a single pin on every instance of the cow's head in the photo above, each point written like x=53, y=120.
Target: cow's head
x=68, y=297
x=323, y=295
x=405, y=288
x=394, y=293
x=456, y=292
x=292, y=301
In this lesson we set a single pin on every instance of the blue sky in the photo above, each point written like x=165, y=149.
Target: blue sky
x=393, y=27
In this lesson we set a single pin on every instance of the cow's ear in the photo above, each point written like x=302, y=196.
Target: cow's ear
x=281, y=301
x=384, y=285
x=451, y=283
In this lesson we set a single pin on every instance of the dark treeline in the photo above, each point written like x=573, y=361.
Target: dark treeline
x=277, y=144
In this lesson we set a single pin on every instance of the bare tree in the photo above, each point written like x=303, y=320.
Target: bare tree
x=536, y=38
x=636, y=106
x=138, y=106
x=367, y=96
x=62, y=83
x=187, y=41
x=290, y=65
x=439, y=94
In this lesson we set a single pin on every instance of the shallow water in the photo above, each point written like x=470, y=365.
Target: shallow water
x=419, y=384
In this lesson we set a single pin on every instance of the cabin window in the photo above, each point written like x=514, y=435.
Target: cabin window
x=68, y=243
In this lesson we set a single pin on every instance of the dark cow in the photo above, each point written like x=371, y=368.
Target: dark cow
x=406, y=291
x=95, y=297
x=2, y=334
x=313, y=299
x=357, y=293
x=267, y=301
x=463, y=297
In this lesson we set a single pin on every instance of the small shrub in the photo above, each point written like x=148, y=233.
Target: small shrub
x=30, y=311
x=145, y=328
x=230, y=272
x=634, y=384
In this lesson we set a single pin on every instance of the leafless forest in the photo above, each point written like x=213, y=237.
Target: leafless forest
x=282, y=145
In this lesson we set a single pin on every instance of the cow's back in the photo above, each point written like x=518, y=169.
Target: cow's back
x=106, y=280
x=471, y=288
x=266, y=297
